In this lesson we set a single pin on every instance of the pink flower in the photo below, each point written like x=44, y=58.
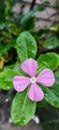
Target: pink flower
x=46, y=78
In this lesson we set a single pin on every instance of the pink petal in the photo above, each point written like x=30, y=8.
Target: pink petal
x=35, y=93
x=46, y=77
x=20, y=83
x=29, y=66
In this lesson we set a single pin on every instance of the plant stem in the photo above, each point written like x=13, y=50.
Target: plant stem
x=32, y=4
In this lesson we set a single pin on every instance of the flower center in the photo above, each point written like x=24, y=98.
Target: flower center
x=33, y=80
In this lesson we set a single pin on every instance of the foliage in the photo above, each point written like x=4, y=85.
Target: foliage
x=22, y=109
x=26, y=46
x=50, y=60
x=19, y=40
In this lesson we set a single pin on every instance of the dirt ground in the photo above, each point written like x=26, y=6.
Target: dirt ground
x=30, y=126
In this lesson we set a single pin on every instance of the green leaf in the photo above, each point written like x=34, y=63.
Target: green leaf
x=48, y=60
x=5, y=48
x=46, y=2
x=2, y=26
x=31, y=13
x=26, y=46
x=58, y=59
x=51, y=97
x=22, y=109
x=54, y=27
x=2, y=9
x=56, y=86
x=29, y=24
x=56, y=5
x=51, y=42
x=57, y=77
x=42, y=104
x=15, y=66
x=28, y=21
x=6, y=78
x=51, y=125
x=52, y=93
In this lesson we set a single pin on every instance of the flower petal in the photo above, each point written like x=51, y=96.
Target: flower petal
x=20, y=83
x=30, y=66
x=35, y=93
x=46, y=77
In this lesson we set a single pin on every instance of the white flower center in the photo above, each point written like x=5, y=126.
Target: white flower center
x=33, y=80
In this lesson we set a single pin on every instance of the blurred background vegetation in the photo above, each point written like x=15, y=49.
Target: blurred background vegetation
x=15, y=18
